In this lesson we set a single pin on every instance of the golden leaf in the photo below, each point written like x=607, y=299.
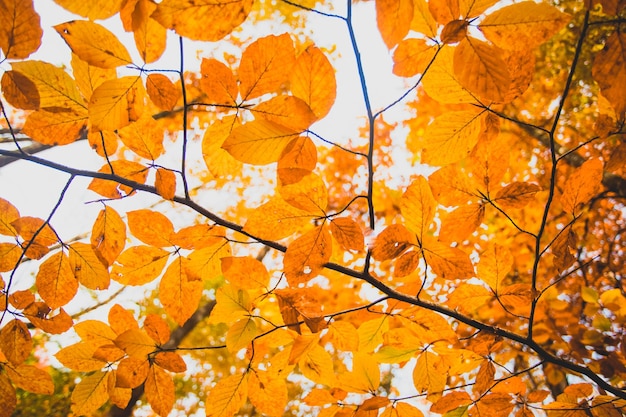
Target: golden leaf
x=267, y=394
x=447, y=262
x=21, y=32
x=441, y=83
x=288, y=111
x=310, y=195
x=473, y=8
x=371, y=333
x=418, y=207
x=259, y=142
x=150, y=36
x=227, y=396
x=15, y=342
x=151, y=227
x=79, y=357
x=394, y=20
x=139, y=265
x=55, y=280
x=484, y=378
x=88, y=77
x=232, y=304
x=454, y=31
x=103, y=142
x=8, y=214
x=444, y=10
x=179, y=295
x=132, y=372
x=157, y=328
x=160, y=391
x=90, y=393
x=451, y=401
x=37, y=313
x=517, y=194
x=495, y=404
x=430, y=375
x=121, y=319
x=582, y=185
x=95, y=331
x=165, y=183
x=218, y=82
x=458, y=224
x=609, y=71
x=108, y=235
x=451, y=186
x=347, y=233
x=392, y=242
x=245, y=272
x=423, y=21
x=56, y=128
x=10, y=255
x=412, y=57
x=127, y=169
x=306, y=256
x=87, y=266
x=266, y=65
x=219, y=162
x=494, y=265
x=313, y=80
x=19, y=91
x=364, y=377
x=523, y=25
x=240, y=334
x=8, y=397
x=451, y=137
x=407, y=263
x=170, y=361
x=402, y=410
x=92, y=10
x=468, y=298
x=94, y=44
x=116, y=103
x=276, y=220
x=344, y=335
x=31, y=379
x=297, y=160
x=204, y=20
x=317, y=365
x=199, y=236
x=136, y=343
x=162, y=91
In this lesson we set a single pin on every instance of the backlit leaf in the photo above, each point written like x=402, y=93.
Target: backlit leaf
x=289, y=111
x=20, y=34
x=165, y=183
x=90, y=393
x=401, y=409
x=55, y=280
x=170, y=361
x=412, y=57
x=448, y=262
x=37, y=313
x=469, y=297
x=423, y=21
x=452, y=187
x=441, y=83
x=94, y=44
x=609, y=71
x=139, y=265
x=130, y=170
x=393, y=19
x=347, y=233
x=108, y=235
x=136, y=343
x=93, y=10
x=371, y=333
x=309, y=194
x=297, y=160
x=457, y=225
x=150, y=36
x=259, y=142
x=227, y=396
x=444, y=10
x=495, y=263
x=15, y=342
x=157, y=328
x=418, y=206
x=344, y=335
x=116, y=103
x=454, y=31
x=88, y=268
x=365, y=374
x=160, y=391
x=219, y=162
x=218, y=82
x=199, y=236
x=31, y=379
x=162, y=91
x=205, y=263
x=276, y=220
x=88, y=77
x=95, y=331
x=473, y=8
x=245, y=272
x=313, y=80
x=206, y=20
x=132, y=372
x=517, y=194
x=392, y=242
x=306, y=256
x=121, y=319
x=151, y=227
x=232, y=304
x=317, y=365
x=266, y=65
x=79, y=357
x=429, y=374
x=269, y=395
x=19, y=91
x=56, y=128
x=240, y=334
x=407, y=263
x=451, y=137
x=583, y=184
x=8, y=214
x=179, y=295
x=494, y=404
x=10, y=255
x=8, y=398
x=451, y=401
x=523, y=25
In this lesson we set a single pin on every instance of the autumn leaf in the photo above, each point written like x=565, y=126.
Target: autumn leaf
x=259, y=142
x=162, y=91
x=364, y=377
x=179, y=294
x=269, y=395
x=116, y=103
x=127, y=169
x=444, y=10
x=108, y=235
x=143, y=137
x=159, y=389
x=516, y=195
x=218, y=82
x=151, y=227
x=275, y=220
x=313, y=80
x=170, y=361
x=418, y=207
x=19, y=91
x=8, y=214
x=393, y=19
x=583, y=184
x=90, y=393
x=288, y=111
x=55, y=280
x=441, y=83
x=306, y=256
x=15, y=342
x=165, y=183
x=8, y=398
x=608, y=71
x=227, y=396
x=31, y=379
x=494, y=265
x=232, y=304
x=297, y=160
x=95, y=10
x=245, y=272
x=139, y=265
x=457, y=225
x=150, y=36
x=347, y=233
x=136, y=343
x=412, y=57
x=56, y=128
x=21, y=32
x=88, y=268
x=309, y=194
x=429, y=375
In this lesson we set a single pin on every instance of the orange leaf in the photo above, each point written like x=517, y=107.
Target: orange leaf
x=10, y=255
x=204, y=263
x=267, y=394
x=108, y=235
x=480, y=68
x=206, y=20
x=218, y=82
x=245, y=272
x=495, y=404
x=240, y=334
x=451, y=401
x=583, y=184
x=297, y=160
x=288, y=111
x=150, y=36
x=418, y=207
x=165, y=183
x=8, y=214
x=121, y=319
x=132, y=372
x=36, y=233
x=55, y=280
x=454, y=31
x=517, y=194
x=473, y=8
x=94, y=44
x=127, y=169
x=392, y=242
x=484, y=378
x=15, y=342
x=179, y=295
x=151, y=227
x=136, y=343
x=429, y=374
x=56, y=128
x=19, y=91
x=8, y=397
x=347, y=233
x=170, y=361
x=310, y=194
x=275, y=220
x=21, y=33
x=31, y=379
x=199, y=236
x=232, y=304
x=116, y=103
x=448, y=262
x=93, y=10
x=88, y=77
x=95, y=331
x=371, y=333
x=469, y=298
x=494, y=265
x=364, y=377
x=260, y=142
x=317, y=365
x=160, y=391
x=103, y=142
x=313, y=80
x=227, y=396
x=609, y=71
x=162, y=91
x=90, y=393
x=457, y=225
x=37, y=314
x=218, y=160
x=266, y=65
x=139, y=265
x=402, y=410
x=523, y=25
x=441, y=83
x=423, y=21
x=88, y=268
x=344, y=335
x=306, y=256
x=394, y=20
x=451, y=137
x=452, y=187
x=407, y=263
x=21, y=299
x=412, y=57
x=79, y=357
x=156, y=327
x=444, y=10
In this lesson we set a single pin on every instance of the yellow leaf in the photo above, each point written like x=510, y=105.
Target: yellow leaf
x=31, y=379
x=371, y=333
x=150, y=36
x=444, y=10
x=55, y=280
x=451, y=137
x=56, y=128
x=127, y=169
x=609, y=71
x=8, y=214
x=94, y=44
x=116, y=103
x=473, y=8
x=452, y=187
x=121, y=319
x=132, y=372
x=441, y=83
x=15, y=342
x=523, y=25
x=267, y=394
x=36, y=233
x=347, y=233
x=402, y=410
x=259, y=142
x=92, y=10
x=245, y=272
x=582, y=185
x=221, y=163
x=240, y=334
x=95, y=331
x=170, y=361
x=103, y=142
x=297, y=160
x=79, y=357
x=517, y=194
x=392, y=242
x=10, y=255
x=19, y=91
x=468, y=298
x=108, y=235
x=288, y=111
x=418, y=206
x=90, y=393
x=412, y=57
x=57, y=90
x=457, y=225
x=494, y=265
x=516, y=298
x=479, y=67
x=495, y=404
x=136, y=343
x=232, y=304
x=395, y=354
x=309, y=194
x=423, y=21
x=266, y=65
x=88, y=77
x=394, y=20
x=157, y=328
x=144, y=137
x=179, y=295
x=218, y=82
x=163, y=93
x=204, y=20
x=199, y=236
x=407, y=263
x=306, y=256
x=430, y=375
x=344, y=335
x=139, y=265
x=8, y=397
x=205, y=263
x=276, y=220
x=451, y=401
x=446, y=261
x=364, y=377
x=227, y=396
x=88, y=268
x=313, y=80
x=151, y=227
x=484, y=378
x=160, y=391
x=319, y=397
x=317, y=365
x=21, y=31
x=165, y=183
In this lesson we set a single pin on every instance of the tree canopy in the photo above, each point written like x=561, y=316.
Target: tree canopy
x=265, y=235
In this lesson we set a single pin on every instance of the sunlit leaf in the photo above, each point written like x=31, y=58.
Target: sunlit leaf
x=165, y=183
x=179, y=294
x=473, y=8
x=583, y=184
x=276, y=220
x=21, y=32
x=495, y=263
x=31, y=379
x=160, y=391
x=89, y=77
x=108, y=235
x=371, y=333
x=446, y=261
x=297, y=160
x=136, y=343
x=170, y=361
x=199, y=236
x=609, y=71
x=310, y=194
x=150, y=36
x=259, y=142
x=454, y=31
x=8, y=214
x=306, y=256
x=393, y=19
x=365, y=374
x=317, y=365
x=240, y=334
x=93, y=10
x=429, y=374
x=162, y=91
x=10, y=255
x=469, y=297
x=412, y=56
x=347, y=233
x=15, y=342
x=289, y=111
x=87, y=266
x=132, y=372
x=418, y=206
x=451, y=137
x=458, y=224
x=151, y=227
x=79, y=357
x=245, y=272
x=517, y=194
x=205, y=263
x=227, y=396
x=8, y=397
x=19, y=91
x=38, y=312
x=269, y=395
x=56, y=128
x=441, y=83
x=232, y=304
x=218, y=82
x=130, y=170
x=90, y=393
x=55, y=280
x=313, y=80
x=392, y=242
x=139, y=265
x=423, y=21
x=116, y=103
